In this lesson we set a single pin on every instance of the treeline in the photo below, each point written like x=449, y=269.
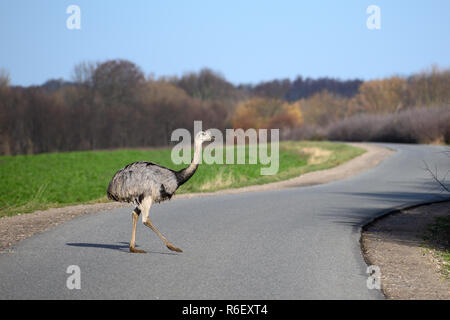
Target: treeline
x=114, y=105
x=413, y=109
x=110, y=105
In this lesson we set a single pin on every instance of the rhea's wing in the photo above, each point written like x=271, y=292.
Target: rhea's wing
x=139, y=180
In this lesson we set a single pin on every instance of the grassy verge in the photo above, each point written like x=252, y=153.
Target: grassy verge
x=36, y=182
x=437, y=240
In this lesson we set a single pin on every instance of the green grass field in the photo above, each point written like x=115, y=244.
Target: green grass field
x=35, y=182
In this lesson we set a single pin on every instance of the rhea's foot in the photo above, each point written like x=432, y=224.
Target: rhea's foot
x=173, y=248
x=134, y=250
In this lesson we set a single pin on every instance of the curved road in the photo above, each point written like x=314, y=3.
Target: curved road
x=299, y=243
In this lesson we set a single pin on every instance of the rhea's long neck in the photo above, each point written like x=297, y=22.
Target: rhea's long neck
x=185, y=174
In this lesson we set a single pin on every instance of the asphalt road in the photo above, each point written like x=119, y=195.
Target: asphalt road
x=299, y=243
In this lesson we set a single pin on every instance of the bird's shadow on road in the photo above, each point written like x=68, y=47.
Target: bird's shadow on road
x=120, y=246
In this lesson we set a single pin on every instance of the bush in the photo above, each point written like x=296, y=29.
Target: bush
x=417, y=125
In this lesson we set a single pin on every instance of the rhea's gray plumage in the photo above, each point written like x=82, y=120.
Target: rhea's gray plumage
x=143, y=179
x=143, y=182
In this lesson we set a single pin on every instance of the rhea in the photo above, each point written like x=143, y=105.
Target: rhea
x=143, y=183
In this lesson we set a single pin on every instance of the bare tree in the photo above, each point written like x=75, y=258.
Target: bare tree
x=82, y=73
x=117, y=80
x=207, y=85
x=4, y=78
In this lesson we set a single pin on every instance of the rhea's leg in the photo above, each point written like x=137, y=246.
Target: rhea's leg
x=135, y=216
x=146, y=204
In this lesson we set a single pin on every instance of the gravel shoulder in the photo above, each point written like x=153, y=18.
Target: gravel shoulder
x=22, y=226
x=411, y=267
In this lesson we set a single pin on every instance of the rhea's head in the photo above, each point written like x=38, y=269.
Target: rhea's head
x=203, y=136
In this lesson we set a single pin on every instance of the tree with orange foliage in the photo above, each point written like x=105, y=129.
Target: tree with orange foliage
x=323, y=108
x=267, y=113
x=430, y=87
x=380, y=96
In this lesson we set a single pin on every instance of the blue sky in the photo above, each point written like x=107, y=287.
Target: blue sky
x=247, y=41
